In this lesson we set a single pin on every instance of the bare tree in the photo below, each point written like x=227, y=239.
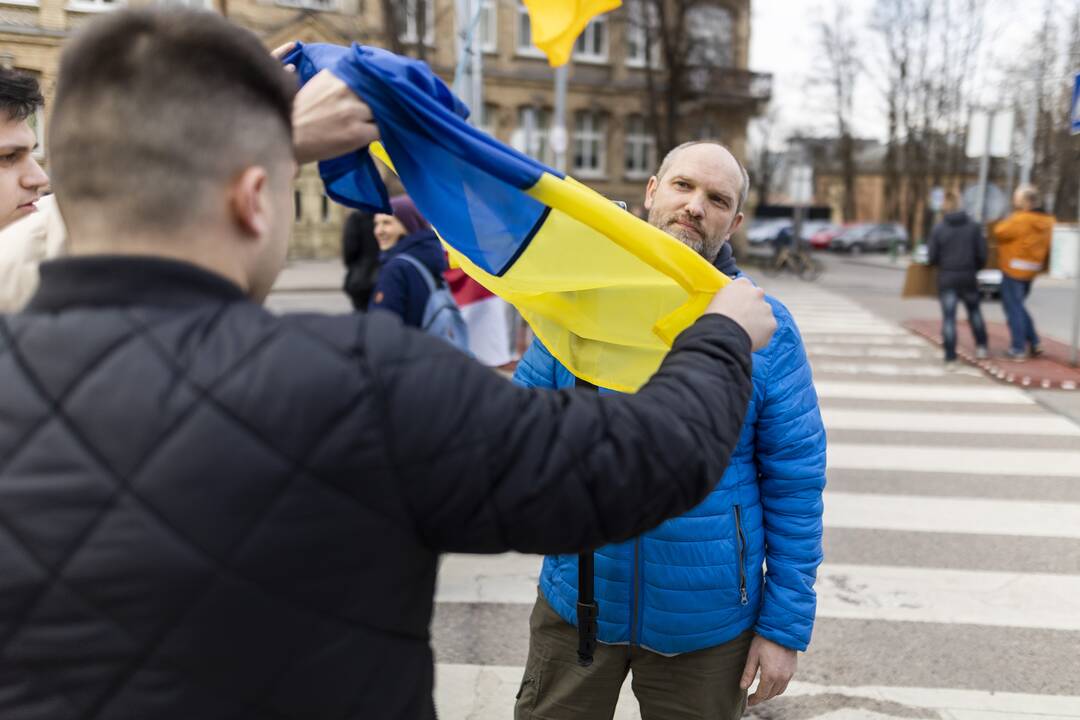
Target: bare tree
x=764, y=161
x=391, y=26
x=688, y=45
x=841, y=71
x=1043, y=76
x=924, y=70
x=401, y=15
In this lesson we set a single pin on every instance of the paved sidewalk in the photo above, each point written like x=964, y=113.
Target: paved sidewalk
x=1051, y=371
x=311, y=276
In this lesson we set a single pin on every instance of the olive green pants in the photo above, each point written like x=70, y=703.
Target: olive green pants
x=702, y=684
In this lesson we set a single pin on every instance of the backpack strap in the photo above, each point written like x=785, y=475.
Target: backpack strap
x=420, y=268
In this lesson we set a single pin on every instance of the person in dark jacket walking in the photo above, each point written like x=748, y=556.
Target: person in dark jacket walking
x=400, y=288
x=360, y=253
x=208, y=510
x=957, y=247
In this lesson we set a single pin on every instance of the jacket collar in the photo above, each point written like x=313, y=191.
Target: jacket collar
x=104, y=280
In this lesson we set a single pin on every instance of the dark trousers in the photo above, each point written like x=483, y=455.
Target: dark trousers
x=950, y=298
x=694, y=685
x=1021, y=327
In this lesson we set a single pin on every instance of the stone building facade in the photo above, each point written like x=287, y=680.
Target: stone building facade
x=610, y=148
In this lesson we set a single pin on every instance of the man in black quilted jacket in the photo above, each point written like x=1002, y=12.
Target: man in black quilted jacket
x=208, y=511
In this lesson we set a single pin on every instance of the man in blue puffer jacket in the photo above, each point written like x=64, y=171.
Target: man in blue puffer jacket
x=686, y=606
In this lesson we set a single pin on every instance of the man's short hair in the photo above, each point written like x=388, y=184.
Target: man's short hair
x=156, y=110
x=20, y=95
x=1029, y=193
x=665, y=165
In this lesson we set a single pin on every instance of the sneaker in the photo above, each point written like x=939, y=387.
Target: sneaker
x=1015, y=355
x=981, y=353
x=1036, y=350
x=951, y=366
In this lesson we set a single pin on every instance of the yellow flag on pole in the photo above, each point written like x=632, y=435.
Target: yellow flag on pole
x=556, y=24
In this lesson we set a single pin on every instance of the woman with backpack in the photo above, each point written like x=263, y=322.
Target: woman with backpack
x=410, y=281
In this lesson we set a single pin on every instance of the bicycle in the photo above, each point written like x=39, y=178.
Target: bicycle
x=798, y=262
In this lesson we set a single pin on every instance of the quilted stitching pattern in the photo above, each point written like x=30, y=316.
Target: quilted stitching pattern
x=115, y=535
x=688, y=576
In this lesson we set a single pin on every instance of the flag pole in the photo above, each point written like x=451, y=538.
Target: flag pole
x=559, y=135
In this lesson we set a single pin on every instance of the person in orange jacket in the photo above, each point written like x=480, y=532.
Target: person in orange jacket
x=1023, y=241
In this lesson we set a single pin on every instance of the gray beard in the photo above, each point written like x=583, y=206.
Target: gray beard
x=706, y=247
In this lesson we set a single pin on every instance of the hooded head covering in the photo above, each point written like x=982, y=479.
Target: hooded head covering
x=407, y=214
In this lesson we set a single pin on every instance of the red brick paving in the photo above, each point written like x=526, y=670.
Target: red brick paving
x=1049, y=371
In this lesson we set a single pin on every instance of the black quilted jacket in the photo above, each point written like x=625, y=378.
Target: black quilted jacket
x=209, y=512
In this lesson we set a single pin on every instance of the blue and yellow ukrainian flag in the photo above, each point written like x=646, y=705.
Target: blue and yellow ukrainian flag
x=606, y=292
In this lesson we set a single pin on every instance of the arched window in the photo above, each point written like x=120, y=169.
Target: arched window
x=640, y=154
x=590, y=144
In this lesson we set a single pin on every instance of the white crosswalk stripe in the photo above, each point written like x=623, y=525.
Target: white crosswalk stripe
x=940, y=603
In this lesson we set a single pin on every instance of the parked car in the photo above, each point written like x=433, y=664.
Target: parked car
x=821, y=239
x=866, y=237
x=810, y=228
x=764, y=231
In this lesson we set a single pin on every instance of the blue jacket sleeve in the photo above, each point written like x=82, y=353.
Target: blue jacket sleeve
x=537, y=367
x=791, y=466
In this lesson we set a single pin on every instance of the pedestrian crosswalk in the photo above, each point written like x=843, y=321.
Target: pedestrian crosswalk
x=951, y=585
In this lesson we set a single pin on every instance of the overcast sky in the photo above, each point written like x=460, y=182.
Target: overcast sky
x=784, y=42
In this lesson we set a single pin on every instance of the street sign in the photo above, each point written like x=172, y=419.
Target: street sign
x=560, y=139
x=999, y=127
x=1074, y=109
x=937, y=198
x=801, y=184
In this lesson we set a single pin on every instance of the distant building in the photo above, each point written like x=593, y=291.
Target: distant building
x=611, y=147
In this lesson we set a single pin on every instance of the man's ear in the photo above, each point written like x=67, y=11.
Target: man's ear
x=248, y=199
x=650, y=191
x=735, y=224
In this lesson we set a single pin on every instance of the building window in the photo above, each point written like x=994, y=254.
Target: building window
x=711, y=33
x=590, y=144
x=486, y=117
x=298, y=203
x=95, y=5
x=524, y=33
x=325, y=214
x=640, y=160
x=407, y=17
x=533, y=133
x=592, y=43
x=640, y=21
x=488, y=26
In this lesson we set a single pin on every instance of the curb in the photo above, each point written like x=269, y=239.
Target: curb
x=1004, y=373
x=880, y=266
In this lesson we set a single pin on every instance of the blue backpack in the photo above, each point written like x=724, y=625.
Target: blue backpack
x=442, y=316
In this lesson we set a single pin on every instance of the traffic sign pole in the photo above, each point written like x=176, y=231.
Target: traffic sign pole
x=1074, y=128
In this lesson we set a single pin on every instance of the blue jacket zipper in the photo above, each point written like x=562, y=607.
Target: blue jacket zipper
x=634, y=595
x=743, y=597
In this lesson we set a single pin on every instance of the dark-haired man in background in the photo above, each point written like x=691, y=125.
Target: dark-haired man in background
x=21, y=178
x=22, y=244
x=209, y=511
